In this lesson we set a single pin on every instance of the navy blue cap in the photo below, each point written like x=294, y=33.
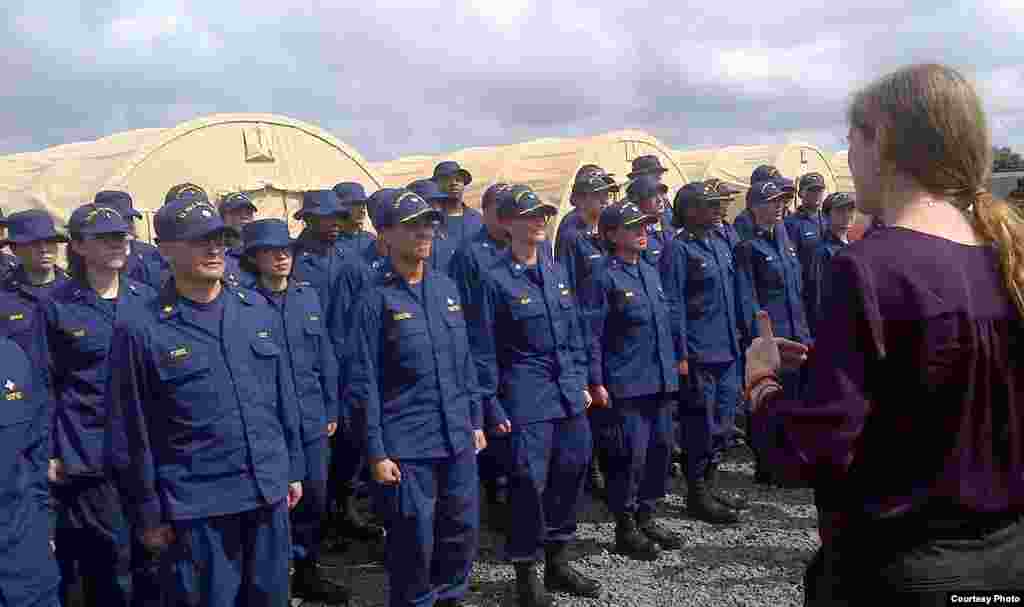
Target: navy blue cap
x=190, y=216
x=32, y=225
x=764, y=191
x=520, y=200
x=264, y=234
x=837, y=200
x=399, y=205
x=765, y=172
x=711, y=190
x=350, y=192
x=592, y=178
x=811, y=181
x=185, y=190
x=92, y=219
x=119, y=201
x=645, y=186
x=785, y=184
x=646, y=165
x=626, y=214
x=236, y=200
x=491, y=194
x=428, y=190
x=321, y=203
x=450, y=167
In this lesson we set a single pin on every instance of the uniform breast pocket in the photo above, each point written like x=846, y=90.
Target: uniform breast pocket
x=266, y=354
x=634, y=310
x=531, y=323
x=458, y=335
x=185, y=376
x=314, y=332
x=769, y=272
x=15, y=407
x=408, y=344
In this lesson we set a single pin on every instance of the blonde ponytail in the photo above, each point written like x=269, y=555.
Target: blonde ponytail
x=1002, y=224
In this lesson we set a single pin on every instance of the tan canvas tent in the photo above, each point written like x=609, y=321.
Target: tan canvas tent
x=547, y=165
x=734, y=164
x=841, y=168
x=273, y=158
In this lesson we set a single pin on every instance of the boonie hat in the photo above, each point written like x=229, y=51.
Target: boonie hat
x=32, y=225
x=646, y=165
x=320, y=203
x=265, y=234
x=450, y=167
x=644, y=187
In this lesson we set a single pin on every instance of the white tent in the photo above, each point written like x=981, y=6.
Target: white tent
x=546, y=165
x=272, y=158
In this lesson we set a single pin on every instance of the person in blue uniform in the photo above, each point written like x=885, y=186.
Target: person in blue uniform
x=446, y=239
x=839, y=210
x=646, y=192
x=633, y=372
x=699, y=276
x=29, y=576
x=318, y=263
x=528, y=342
x=744, y=222
x=413, y=382
x=267, y=254
x=237, y=210
x=203, y=427
x=806, y=226
x=145, y=264
x=7, y=261
x=591, y=193
x=92, y=537
x=353, y=237
x=36, y=243
x=649, y=165
x=580, y=256
x=373, y=254
x=770, y=279
x=461, y=221
x=466, y=268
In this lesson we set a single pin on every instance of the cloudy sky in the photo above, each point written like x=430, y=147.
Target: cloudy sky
x=395, y=78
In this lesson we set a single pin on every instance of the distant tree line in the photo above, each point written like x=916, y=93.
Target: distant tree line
x=1005, y=159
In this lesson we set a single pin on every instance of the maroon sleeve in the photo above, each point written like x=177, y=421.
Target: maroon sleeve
x=814, y=441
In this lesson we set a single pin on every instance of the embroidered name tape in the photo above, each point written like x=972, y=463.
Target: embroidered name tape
x=179, y=354
x=403, y=316
x=78, y=333
x=565, y=291
x=524, y=300
x=18, y=316
x=263, y=334
x=314, y=317
x=454, y=308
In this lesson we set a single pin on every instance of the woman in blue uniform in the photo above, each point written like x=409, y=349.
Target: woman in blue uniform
x=528, y=343
x=413, y=384
x=28, y=572
x=699, y=277
x=633, y=372
x=93, y=540
x=839, y=213
x=267, y=254
x=770, y=280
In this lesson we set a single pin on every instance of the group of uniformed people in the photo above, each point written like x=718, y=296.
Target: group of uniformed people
x=190, y=423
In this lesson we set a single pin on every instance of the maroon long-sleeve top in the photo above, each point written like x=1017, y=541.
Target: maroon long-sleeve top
x=916, y=393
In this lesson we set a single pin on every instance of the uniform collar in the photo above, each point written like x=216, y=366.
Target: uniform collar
x=81, y=290
x=515, y=266
x=17, y=278
x=171, y=307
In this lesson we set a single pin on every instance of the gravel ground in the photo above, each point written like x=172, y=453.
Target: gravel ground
x=758, y=562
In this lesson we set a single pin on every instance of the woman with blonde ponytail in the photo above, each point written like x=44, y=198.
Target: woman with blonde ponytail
x=912, y=428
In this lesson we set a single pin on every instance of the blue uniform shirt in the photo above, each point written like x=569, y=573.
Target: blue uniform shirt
x=566, y=233
x=17, y=280
x=815, y=289
x=201, y=424
x=311, y=357
x=24, y=432
x=629, y=337
x=770, y=279
x=412, y=380
x=657, y=239
x=442, y=249
x=8, y=263
x=460, y=228
x=353, y=243
x=581, y=256
x=805, y=232
x=318, y=265
x=744, y=225
x=370, y=255
x=699, y=277
x=528, y=344
x=479, y=252
x=145, y=264
x=79, y=329
x=728, y=233
x=234, y=275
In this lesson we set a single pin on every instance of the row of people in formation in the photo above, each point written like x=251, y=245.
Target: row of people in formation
x=162, y=469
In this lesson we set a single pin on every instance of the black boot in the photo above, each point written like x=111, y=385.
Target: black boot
x=630, y=542
x=668, y=540
x=735, y=502
x=531, y=592
x=351, y=523
x=560, y=576
x=309, y=584
x=702, y=506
